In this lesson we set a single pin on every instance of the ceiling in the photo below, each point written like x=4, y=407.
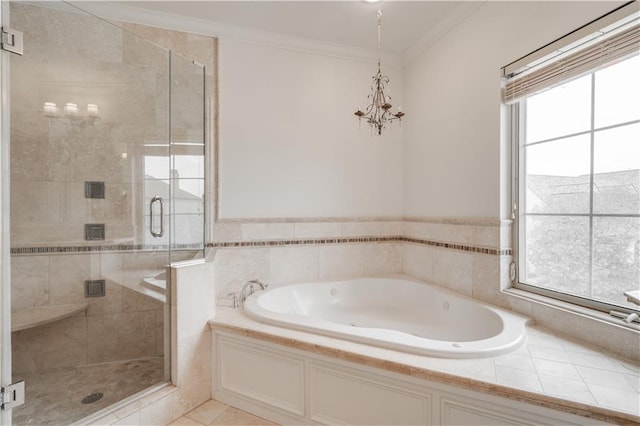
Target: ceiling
x=351, y=23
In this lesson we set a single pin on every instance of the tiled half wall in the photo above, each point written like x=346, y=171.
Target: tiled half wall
x=286, y=251
x=468, y=255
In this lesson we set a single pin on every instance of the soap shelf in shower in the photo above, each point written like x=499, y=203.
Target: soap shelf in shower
x=41, y=315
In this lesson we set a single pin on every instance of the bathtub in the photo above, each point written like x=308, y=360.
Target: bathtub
x=395, y=313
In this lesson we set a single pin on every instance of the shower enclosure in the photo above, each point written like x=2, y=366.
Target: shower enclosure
x=107, y=136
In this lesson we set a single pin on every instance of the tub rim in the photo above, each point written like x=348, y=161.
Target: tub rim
x=510, y=339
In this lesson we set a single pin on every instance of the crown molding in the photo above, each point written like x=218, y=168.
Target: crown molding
x=435, y=33
x=125, y=13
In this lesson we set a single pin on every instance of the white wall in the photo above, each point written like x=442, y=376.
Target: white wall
x=452, y=152
x=289, y=143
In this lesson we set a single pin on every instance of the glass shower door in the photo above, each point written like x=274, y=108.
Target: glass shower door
x=173, y=186
x=187, y=158
x=98, y=165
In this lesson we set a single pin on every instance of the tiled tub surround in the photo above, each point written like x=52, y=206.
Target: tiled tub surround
x=468, y=255
x=549, y=371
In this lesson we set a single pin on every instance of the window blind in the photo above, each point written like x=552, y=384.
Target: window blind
x=596, y=51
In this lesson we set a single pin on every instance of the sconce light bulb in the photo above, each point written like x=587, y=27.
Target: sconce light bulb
x=71, y=109
x=93, y=110
x=50, y=109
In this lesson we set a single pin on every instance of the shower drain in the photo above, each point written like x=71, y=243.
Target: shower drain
x=90, y=399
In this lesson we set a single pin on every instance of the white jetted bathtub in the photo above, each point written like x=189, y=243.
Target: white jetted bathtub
x=395, y=313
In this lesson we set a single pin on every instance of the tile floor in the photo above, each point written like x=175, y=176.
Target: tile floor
x=55, y=397
x=213, y=412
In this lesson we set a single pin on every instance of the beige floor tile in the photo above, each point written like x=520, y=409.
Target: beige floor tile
x=185, y=421
x=234, y=417
x=206, y=412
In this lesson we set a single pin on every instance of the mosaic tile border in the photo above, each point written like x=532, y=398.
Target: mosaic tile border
x=461, y=247
x=348, y=240
x=100, y=248
x=257, y=243
x=306, y=241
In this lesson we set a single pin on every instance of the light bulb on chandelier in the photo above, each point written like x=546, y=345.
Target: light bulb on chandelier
x=378, y=113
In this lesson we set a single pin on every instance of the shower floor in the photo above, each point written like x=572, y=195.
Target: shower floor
x=55, y=398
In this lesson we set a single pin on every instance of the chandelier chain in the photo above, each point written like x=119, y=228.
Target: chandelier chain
x=379, y=34
x=378, y=113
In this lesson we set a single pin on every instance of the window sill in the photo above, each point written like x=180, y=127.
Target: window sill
x=570, y=308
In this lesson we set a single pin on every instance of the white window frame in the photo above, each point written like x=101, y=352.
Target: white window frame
x=516, y=114
x=518, y=172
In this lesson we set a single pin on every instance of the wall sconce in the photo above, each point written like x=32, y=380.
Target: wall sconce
x=93, y=110
x=50, y=109
x=72, y=111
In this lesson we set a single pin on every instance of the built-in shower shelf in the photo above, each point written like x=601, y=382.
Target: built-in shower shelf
x=41, y=315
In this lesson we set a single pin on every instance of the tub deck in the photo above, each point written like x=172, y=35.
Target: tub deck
x=548, y=370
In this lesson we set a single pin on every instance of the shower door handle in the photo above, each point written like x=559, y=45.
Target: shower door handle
x=160, y=233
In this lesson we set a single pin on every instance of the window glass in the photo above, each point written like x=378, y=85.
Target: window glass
x=616, y=175
x=616, y=257
x=617, y=93
x=557, y=253
x=557, y=176
x=188, y=166
x=560, y=111
x=579, y=195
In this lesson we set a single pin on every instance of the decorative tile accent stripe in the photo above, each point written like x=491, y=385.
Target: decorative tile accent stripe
x=258, y=243
x=101, y=248
x=462, y=247
x=279, y=243
x=312, y=241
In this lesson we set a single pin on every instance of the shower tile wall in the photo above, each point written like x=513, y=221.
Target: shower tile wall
x=124, y=324
x=52, y=158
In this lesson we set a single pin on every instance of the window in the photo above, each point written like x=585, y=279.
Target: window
x=577, y=168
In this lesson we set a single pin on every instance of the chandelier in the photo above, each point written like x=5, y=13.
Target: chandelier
x=378, y=113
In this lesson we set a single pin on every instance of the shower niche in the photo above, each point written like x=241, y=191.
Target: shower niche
x=107, y=181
